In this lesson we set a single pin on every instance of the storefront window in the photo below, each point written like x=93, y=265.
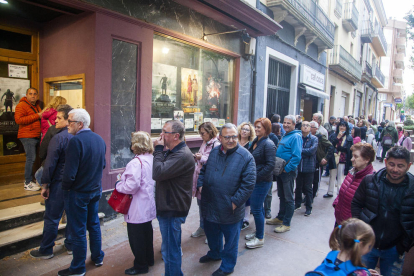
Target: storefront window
x=123, y=101
x=190, y=84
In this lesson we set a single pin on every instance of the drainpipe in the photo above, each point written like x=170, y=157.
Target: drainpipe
x=254, y=76
x=376, y=104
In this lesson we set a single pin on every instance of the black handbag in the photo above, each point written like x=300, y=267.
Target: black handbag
x=279, y=166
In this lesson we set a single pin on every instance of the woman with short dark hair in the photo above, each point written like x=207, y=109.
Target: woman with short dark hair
x=363, y=155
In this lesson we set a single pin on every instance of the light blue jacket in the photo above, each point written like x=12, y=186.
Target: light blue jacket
x=290, y=149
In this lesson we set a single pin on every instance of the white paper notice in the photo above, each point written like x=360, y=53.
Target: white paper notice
x=207, y=120
x=189, y=123
x=17, y=71
x=214, y=121
x=164, y=120
x=155, y=123
x=221, y=122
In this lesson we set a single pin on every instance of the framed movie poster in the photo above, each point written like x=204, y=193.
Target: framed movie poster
x=191, y=87
x=164, y=83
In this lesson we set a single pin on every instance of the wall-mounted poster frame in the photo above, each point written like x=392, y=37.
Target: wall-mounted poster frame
x=47, y=83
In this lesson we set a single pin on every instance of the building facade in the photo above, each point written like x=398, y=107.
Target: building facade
x=393, y=67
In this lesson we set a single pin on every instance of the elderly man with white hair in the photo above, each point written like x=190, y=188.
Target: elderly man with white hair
x=318, y=117
x=82, y=187
x=290, y=150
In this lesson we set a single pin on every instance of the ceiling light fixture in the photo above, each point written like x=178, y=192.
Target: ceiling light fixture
x=3, y=2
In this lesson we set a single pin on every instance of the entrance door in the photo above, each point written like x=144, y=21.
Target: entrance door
x=343, y=105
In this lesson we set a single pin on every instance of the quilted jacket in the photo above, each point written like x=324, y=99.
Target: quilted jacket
x=27, y=119
x=226, y=178
x=345, y=148
x=48, y=115
x=342, y=203
x=264, y=156
x=308, y=162
x=365, y=206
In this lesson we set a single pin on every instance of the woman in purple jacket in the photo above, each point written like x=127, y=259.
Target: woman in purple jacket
x=137, y=181
x=406, y=141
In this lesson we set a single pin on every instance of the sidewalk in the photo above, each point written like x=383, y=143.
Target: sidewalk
x=292, y=253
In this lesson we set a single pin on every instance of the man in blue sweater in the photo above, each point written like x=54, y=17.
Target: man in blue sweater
x=290, y=149
x=51, y=181
x=82, y=186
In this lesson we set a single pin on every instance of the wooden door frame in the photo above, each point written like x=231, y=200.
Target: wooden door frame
x=47, y=81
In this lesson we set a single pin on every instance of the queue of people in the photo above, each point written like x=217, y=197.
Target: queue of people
x=231, y=175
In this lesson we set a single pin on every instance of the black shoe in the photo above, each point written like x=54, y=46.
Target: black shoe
x=245, y=225
x=133, y=271
x=99, y=264
x=327, y=196
x=207, y=259
x=297, y=208
x=67, y=272
x=220, y=272
x=268, y=215
x=308, y=212
x=36, y=254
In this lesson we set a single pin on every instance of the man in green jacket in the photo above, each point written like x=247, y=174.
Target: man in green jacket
x=388, y=138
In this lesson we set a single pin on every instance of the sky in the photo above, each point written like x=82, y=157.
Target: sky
x=398, y=9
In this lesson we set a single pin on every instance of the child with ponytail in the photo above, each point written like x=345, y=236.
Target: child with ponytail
x=349, y=242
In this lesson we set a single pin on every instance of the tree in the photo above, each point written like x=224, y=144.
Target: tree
x=409, y=102
x=410, y=34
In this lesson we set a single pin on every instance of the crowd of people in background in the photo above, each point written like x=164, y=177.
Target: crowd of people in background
x=231, y=176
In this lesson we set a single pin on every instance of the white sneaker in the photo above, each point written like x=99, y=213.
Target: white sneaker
x=255, y=243
x=31, y=186
x=250, y=236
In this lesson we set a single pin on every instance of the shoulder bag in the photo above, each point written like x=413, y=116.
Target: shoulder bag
x=120, y=202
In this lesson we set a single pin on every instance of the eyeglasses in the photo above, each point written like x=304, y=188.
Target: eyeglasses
x=313, y=127
x=70, y=121
x=246, y=129
x=305, y=125
x=227, y=138
x=168, y=132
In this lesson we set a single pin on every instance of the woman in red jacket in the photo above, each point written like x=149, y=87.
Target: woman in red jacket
x=362, y=157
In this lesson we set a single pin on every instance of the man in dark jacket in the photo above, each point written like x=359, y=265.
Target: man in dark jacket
x=52, y=185
x=388, y=138
x=385, y=200
x=82, y=188
x=306, y=169
x=173, y=172
x=329, y=126
x=225, y=183
x=324, y=156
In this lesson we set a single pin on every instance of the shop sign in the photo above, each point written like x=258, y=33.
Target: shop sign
x=312, y=77
x=17, y=71
x=387, y=104
x=398, y=100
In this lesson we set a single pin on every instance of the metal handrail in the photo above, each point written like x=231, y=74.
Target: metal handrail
x=338, y=7
x=351, y=13
x=367, y=28
x=314, y=13
x=378, y=32
x=378, y=74
x=339, y=56
x=368, y=69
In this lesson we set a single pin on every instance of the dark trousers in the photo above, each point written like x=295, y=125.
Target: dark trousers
x=268, y=199
x=316, y=180
x=228, y=253
x=54, y=209
x=384, y=151
x=82, y=213
x=140, y=238
x=285, y=184
x=304, y=183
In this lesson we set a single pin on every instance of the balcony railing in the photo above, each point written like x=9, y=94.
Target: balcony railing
x=338, y=8
x=379, y=75
x=379, y=35
x=367, y=31
x=368, y=69
x=350, y=20
x=348, y=65
x=314, y=13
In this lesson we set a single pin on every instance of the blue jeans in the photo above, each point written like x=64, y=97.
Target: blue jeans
x=54, y=210
x=199, y=213
x=29, y=145
x=228, y=254
x=82, y=213
x=170, y=228
x=285, y=183
x=38, y=175
x=257, y=200
x=391, y=263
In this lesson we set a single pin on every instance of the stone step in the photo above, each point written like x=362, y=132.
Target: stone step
x=21, y=215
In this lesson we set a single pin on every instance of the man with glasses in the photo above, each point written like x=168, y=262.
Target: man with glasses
x=82, y=188
x=306, y=169
x=290, y=150
x=225, y=183
x=173, y=171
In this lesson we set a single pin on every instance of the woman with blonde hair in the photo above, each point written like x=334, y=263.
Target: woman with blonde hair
x=49, y=114
x=137, y=181
x=246, y=136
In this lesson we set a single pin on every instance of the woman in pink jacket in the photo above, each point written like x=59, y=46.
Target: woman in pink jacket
x=49, y=114
x=208, y=133
x=137, y=181
x=406, y=141
x=362, y=157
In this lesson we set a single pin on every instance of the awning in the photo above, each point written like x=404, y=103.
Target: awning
x=315, y=92
x=236, y=14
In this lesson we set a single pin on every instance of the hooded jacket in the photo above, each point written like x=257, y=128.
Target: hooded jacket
x=27, y=119
x=308, y=162
x=367, y=206
x=290, y=149
x=391, y=131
